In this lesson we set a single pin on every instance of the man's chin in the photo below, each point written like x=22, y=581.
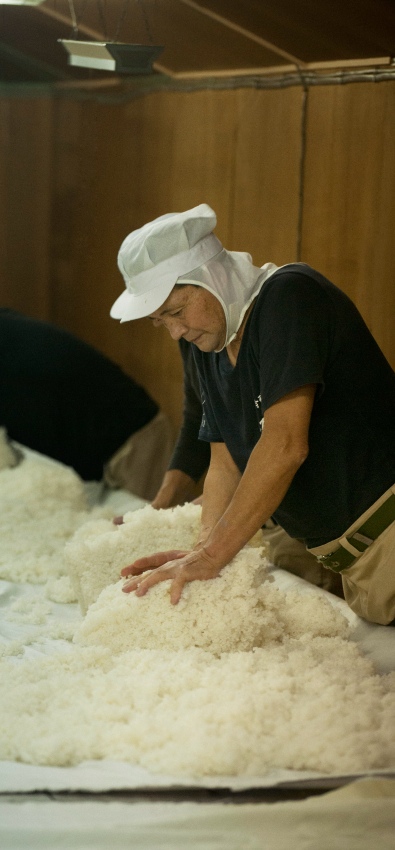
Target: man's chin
x=204, y=344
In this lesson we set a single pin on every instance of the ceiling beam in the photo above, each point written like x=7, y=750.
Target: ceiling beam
x=226, y=22
x=293, y=63
x=369, y=62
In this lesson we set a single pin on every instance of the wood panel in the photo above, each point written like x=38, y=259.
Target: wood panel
x=264, y=203
x=100, y=169
x=349, y=199
x=25, y=203
x=94, y=190
x=118, y=166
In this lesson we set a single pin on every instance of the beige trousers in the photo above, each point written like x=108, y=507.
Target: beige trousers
x=369, y=584
x=140, y=464
x=291, y=555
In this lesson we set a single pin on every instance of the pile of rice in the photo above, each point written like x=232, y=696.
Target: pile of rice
x=41, y=506
x=311, y=703
x=235, y=612
x=99, y=550
x=237, y=679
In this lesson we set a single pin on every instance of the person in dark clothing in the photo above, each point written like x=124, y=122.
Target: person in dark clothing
x=298, y=407
x=61, y=397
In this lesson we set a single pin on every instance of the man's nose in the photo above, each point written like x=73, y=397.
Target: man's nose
x=176, y=329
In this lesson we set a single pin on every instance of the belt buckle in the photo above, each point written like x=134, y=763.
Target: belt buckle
x=325, y=558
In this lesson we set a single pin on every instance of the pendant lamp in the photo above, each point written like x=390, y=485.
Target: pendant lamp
x=111, y=56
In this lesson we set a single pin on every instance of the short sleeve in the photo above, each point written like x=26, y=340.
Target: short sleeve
x=293, y=326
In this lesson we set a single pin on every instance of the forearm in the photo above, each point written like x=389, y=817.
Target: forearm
x=221, y=482
x=177, y=487
x=281, y=450
x=258, y=495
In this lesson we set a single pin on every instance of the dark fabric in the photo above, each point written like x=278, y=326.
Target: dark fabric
x=304, y=330
x=190, y=455
x=63, y=398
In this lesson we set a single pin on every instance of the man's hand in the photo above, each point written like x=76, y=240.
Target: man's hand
x=181, y=567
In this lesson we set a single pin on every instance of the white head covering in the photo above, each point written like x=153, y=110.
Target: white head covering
x=153, y=257
x=234, y=281
x=181, y=248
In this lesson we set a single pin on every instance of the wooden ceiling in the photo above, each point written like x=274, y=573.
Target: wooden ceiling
x=201, y=38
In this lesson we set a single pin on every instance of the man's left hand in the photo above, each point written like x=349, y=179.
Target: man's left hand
x=181, y=567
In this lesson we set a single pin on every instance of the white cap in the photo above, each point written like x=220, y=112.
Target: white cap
x=152, y=258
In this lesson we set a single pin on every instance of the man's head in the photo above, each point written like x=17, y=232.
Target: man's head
x=194, y=313
x=180, y=248
x=152, y=259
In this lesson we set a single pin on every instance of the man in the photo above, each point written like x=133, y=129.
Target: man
x=299, y=406
x=64, y=399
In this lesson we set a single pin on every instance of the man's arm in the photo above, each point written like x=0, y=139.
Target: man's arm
x=277, y=456
x=280, y=451
x=176, y=488
x=221, y=482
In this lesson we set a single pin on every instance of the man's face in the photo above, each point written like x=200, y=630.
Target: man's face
x=195, y=314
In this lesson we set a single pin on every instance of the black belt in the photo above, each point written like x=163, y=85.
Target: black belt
x=361, y=538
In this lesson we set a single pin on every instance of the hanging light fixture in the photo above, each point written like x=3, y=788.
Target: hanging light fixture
x=20, y=2
x=111, y=55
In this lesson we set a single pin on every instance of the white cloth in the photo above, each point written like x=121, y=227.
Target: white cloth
x=234, y=281
x=357, y=817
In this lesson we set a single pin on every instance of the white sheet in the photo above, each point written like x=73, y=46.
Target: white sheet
x=358, y=817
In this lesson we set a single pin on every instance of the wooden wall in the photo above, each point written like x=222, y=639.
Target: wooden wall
x=349, y=198
x=286, y=183
x=26, y=146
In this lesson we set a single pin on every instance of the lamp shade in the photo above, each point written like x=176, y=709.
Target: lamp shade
x=112, y=56
x=20, y=2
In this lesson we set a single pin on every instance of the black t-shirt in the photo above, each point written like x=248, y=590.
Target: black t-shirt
x=63, y=398
x=191, y=455
x=304, y=330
